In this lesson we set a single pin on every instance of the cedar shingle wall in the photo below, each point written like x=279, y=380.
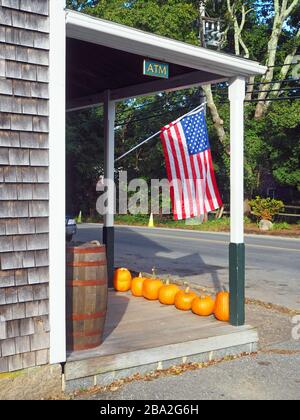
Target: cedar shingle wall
x=24, y=272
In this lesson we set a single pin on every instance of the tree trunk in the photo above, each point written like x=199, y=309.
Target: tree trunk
x=218, y=122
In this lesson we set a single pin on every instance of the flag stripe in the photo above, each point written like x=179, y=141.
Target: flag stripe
x=181, y=210
x=214, y=181
x=179, y=164
x=187, y=170
x=169, y=173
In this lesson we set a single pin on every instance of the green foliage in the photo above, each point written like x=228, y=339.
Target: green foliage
x=266, y=208
x=272, y=144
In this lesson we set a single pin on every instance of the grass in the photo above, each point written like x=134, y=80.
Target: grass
x=212, y=225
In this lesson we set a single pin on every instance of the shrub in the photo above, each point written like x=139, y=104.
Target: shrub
x=266, y=208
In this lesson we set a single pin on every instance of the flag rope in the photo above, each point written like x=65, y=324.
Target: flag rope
x=156, y=134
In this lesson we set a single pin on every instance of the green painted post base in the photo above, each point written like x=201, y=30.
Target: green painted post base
x=237, y=283
x=109, y=241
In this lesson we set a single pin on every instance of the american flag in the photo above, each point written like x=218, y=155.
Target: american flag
x=194, y=190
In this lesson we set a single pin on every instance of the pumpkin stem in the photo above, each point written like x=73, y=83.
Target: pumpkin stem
x=140, y=276
x=153, y=272
x=187, y=290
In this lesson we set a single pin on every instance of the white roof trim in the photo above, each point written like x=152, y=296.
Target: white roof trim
x=113, y=35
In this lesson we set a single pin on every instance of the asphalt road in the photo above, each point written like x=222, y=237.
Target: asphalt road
x=272, y=264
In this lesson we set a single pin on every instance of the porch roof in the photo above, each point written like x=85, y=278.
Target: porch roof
x=104, y=55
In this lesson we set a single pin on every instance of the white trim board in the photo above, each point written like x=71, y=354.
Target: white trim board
x=57, y=145
x=113, y=35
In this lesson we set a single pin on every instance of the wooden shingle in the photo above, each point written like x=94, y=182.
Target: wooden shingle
x=7, y=52
x=26, y=226
x=5, y=121
x=31, y=309
x=25, y=191
x=40, y=192
x=12, y=4
x=37, y=242
x=3, y=332
x=20, y=19
x=7, y=279
x=13, y=70
x=5, y=16
x=21, y=277
x=19, y=243
x=41, y=41
x=3, y=364
x=38, y=275
x=25, y=294
x=19, y=157
x=8, y=192
x=39, y=158
x=40, y=90
x=2, y=68
x=28, y=360
x=26, y=327
x=21, y=122
x=6, y=245
x=22, y=88
x=43, y=307
x=13, y=329
x=11, y=296
x=27, y=175
x=42, y=225
x=6, y=87
x=2, y=34
x=22, y=344
x=34, y=140
x=8, y=347
x=15, y=362
x=9, y=138
x=29, y=106
x=4, y=156
x=11, y=227
x=41, y=258
x=39, y=209
x=39, y=341
x=2, y=228
x=28, y=72
x=36, y=56
x=18, y=311
x=13, y=209
x=35, y=6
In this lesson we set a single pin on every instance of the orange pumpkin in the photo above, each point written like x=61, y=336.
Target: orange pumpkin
x=122, y=280
x=137, y=286
x=222, y=307
x=203, y=306
x=151, y=288
x=167, y=293
x=184, y=299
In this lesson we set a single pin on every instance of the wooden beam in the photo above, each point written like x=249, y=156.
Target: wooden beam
x=184, y=81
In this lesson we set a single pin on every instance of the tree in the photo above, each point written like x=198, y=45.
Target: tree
x=272, y=142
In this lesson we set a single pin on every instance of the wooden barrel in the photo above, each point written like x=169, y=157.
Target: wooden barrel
x=86, y=295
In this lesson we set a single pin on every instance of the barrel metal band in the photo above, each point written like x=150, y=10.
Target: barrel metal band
x=83, y=317
x=87, y=264
x=86, y=283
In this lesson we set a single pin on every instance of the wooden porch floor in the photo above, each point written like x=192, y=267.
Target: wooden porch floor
x=139, y=332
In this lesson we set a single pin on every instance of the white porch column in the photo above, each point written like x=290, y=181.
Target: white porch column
x=57, y=176
x=237, y=246
x=109, y=172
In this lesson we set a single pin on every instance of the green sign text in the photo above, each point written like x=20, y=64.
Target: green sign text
x=156, y=69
